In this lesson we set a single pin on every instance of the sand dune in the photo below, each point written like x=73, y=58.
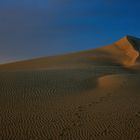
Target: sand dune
x=87, y=95
x=123, y=52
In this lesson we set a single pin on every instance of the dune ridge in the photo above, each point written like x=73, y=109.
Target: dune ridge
x=131, y=53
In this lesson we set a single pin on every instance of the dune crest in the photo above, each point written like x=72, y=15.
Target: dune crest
x=131, y=53
x=110, y=81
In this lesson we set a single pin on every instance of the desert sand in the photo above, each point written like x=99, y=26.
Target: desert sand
x=88, y=95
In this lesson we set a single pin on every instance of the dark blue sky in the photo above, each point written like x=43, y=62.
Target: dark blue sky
x=34, y=28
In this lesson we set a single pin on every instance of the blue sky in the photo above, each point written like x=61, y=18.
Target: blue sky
x=34, y=28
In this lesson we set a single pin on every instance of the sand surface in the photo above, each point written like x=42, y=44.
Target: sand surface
x=89, y=95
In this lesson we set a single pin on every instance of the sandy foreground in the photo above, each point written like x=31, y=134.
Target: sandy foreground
x=90, y=95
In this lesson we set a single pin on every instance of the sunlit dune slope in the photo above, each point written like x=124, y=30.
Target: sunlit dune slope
x=123, y=52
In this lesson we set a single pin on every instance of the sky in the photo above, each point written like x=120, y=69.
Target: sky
x=36, y=28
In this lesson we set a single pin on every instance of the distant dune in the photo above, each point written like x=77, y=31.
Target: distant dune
x=123, y=52
x=87, y=95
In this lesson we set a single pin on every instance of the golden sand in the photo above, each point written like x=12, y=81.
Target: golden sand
x=89, y=95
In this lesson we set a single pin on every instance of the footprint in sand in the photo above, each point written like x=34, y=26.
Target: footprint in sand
x=138, y=114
